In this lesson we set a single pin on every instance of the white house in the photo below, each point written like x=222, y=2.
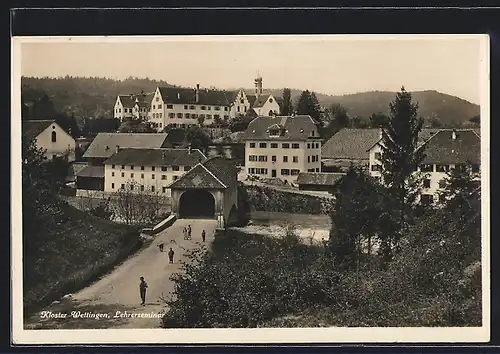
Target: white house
x=51, y=137
x=444, y=149
x=148, y=170
x=183, y=107
x=132, y=106
x=282, y=147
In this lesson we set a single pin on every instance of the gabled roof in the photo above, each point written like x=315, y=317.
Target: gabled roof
x=423, y=136
x=33, y=128
x=296, y=127
x=156, y=157
x=127, y=101
x=259, y=101
x=142, y=104
x=251, y=99
x=319, y=178
x=213, y=173
x=350, y=143
x=442, y=149
x=104, y=144
x=179, y=95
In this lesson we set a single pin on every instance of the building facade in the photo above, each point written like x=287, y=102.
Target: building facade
x=132, y=107
x=51, y=137
x=148, y=170
x=282, y=147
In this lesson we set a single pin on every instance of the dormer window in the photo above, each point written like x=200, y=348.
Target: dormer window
x=274, y=132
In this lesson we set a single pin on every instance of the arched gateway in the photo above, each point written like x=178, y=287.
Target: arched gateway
x=208, y=190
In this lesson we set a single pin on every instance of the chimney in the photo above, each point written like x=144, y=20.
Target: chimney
x=117, y=148
x=107, y=147
x=189, y=149
x=454, y=134
x=178, y=95
x=164, y=154
x=197, y=93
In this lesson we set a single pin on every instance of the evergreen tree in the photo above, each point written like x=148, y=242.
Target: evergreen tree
x=308, y=105
x=457, y=188
x=400, y=157
x=339, y=114
x=287, y=107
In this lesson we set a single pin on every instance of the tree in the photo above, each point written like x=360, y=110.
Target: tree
x=476, y=120
x=138, y=205
x=378, y=120
x=400, y=157
x=339, y=114
x=287, y=107
x=308, y=105
x=433, y=122
x=457, y=188
x=240, y=123
x=201, y=120
x=197, y=138
x=358, y=122
x=135, y=126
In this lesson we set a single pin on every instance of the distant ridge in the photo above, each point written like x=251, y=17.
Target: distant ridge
x=96, y=96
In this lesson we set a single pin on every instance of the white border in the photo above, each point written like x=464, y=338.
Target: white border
x=241, y=336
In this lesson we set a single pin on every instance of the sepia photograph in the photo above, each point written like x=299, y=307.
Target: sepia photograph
x=250, y=189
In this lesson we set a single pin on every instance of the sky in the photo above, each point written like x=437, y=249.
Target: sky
x=324, y=64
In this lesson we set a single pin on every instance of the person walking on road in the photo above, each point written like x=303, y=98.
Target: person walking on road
x=203, y=235
x=171, y=256
x=142, y=289
x=160, y=246
x=189, y=232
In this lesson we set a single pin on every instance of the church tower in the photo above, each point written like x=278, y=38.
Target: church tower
x=258, y=85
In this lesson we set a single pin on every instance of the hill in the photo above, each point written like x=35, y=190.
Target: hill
x=451, y=110
x=95, y=97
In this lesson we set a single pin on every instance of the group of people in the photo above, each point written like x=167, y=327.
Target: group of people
x=187, y=232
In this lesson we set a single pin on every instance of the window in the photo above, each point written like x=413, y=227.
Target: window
x=209, y=116
x=295, y=146
x=285, y=158
x=112, y=174
x=131, y=187
x=175, y=168
x=426, y=199
x=274, y=145
x=274, y=132
x=376, y=168
x=54, y=137
x=426, y=168
x=123, y=174
x=194, y=115
x=251, y=171
x=187, y=168
x=427, y=183
x=273, y=158
x=185, y=106
x=312, y=133
x=216, y=116
x=475, y=168
x=378, y=155
x=176, y=178
x=442, y=168
x=112, y=186
x=152, y=176
x=179, y=115
x=157, y=98
x=262, y=145
x=164, y=189
x=308, y=145
x=285, y=172
x=285, y=146
x=252, y=145
x=123, y=186
x=317, y=145
x=313, y=157
x=152, y=188
x=262, y=158
x=164, y=168
x=142, y=188
x=191, y=107
x=186, y=115
x=310, y=170
x=170, y=106
x=171, y=115
x=163, y=177
x=217, y=108
x=131, y=175
x=203, y=108
x=131, y=167
x=226, y=109
x=142, y=168
x=270, y=100
x=294, y=172
x=242, y=100
x=308, y=159
x=154, y=107
x=295, y=159
x=238, y=108
x=159, y=106
x=209, y=108
x=123, y=167
x=142, y=175
x=252, y=158
x=317, y=169
x=112, y=166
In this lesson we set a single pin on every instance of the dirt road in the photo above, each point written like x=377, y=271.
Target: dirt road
x=115, y=297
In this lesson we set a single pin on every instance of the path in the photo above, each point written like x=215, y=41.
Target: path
x=117, y=294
